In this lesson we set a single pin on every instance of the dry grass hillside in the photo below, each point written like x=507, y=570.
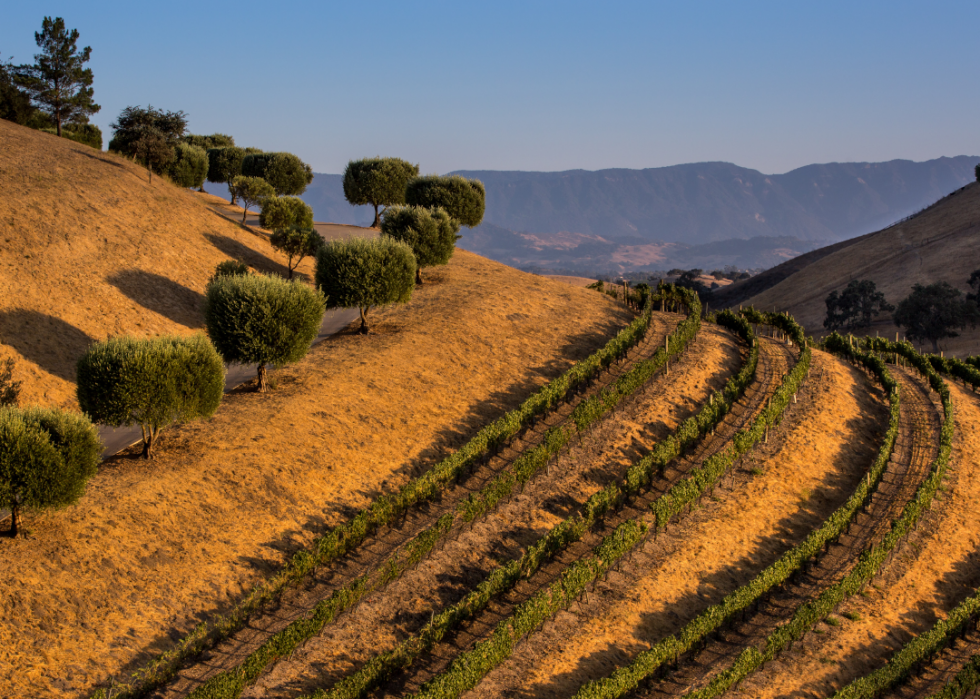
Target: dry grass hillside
x=940, y=244
x=91, y=248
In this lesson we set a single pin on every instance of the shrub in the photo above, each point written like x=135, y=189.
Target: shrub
x=361, y=273
x=9, y=389
x=46, y=457
x=190, y=166
x=431, y=233
x=252, y=191
x=284, y=171
x=283, y=212
x=378, y=182
x=150, y=382
x=230, y=268
x=86, y=134
x=215, y=140
x=463, y=199
x=262, y=320
x=224, y=165
x=296, y=243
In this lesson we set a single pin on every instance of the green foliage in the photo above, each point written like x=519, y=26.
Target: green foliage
x=377, y=182
x=224, y=165
x=230, y=268
x=431, y=234
x=296, y=243
x=190, y=166
x=148, y=135
x=9, y=389
x=935, y=312
x=15, y=104
x=361, y=273
x=259, y=319
x=215, y=140
x=463, y=199
x=153, y=382
x=856, y=306
x=252, y=191
x=282, y=212
x=57, y=82
x=287, y=174
x=46, y=457
x=86, y=134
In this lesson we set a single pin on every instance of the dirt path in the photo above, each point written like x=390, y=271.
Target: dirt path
x=915, y=448
x=772, y=365
x=769, y=504
x=930, y=573
x=451, y=573
x=383, y=544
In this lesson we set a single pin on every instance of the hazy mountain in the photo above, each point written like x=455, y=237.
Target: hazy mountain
x=700, y=214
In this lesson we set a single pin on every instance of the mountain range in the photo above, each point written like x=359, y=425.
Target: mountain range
x=694, y=215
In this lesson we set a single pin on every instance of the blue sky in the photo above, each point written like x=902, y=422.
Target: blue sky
x=542, y=85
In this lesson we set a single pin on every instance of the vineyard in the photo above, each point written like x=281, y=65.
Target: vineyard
x=707, y=506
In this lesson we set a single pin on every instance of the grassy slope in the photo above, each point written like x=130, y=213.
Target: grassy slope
x=91, y=248
x=938, y=244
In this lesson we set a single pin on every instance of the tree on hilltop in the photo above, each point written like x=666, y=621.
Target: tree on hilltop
x=463, y=199
x=148, y=135
x=856, y=306
x=57, y=82
x=431, y=233
x=377, y=182
x=935, y=312
x=287, y=174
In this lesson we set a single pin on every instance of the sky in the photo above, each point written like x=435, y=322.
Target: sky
x=541, y=85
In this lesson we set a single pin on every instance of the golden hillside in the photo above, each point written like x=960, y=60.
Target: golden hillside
x=91, y=248
x=939, y=244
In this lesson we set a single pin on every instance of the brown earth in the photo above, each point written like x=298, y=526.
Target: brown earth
x=933, y=571
x=939, y=244
x=92, y=248
x=152, y=548
x=802, y=476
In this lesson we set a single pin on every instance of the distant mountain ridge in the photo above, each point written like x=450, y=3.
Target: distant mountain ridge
x=682, y=215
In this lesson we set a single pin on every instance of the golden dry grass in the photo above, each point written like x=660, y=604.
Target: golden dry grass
x=91, y=248
x=938, y=245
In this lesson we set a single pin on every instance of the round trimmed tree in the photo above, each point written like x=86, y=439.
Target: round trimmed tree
x=224, y=165
x=361, y=273
x=284, y=171
x=260, y=319
x=253, y=191
x=190, y=166
x=377, y=182
x=283, y=212
x=46, y=458
x=152, y=382
x=463, y=199
x=431, y=233
x=296, y=243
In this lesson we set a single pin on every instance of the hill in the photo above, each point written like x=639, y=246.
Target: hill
x=938, y=244
x=93, y=248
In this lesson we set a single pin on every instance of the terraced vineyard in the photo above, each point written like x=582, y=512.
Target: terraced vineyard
x=700, y=509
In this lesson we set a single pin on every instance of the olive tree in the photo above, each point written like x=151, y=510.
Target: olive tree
x=46, y=458
x=296, y=243
x=215, y=140
x=284, y=171
x=378, y=182
x=463, y=199
x=283, y=212
x=152, y=382
x=260, y=319
x=230, y=268
x=190, y=166
x=431, y=233
x=361, y=273
x=224, y=165
x=251, y=191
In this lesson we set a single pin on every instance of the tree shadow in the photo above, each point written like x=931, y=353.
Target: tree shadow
x=161, y=295
x=49, y=342
x=243, y=253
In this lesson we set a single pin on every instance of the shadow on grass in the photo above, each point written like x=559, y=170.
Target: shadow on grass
x=49, y=342
x=161, y=295
x=243, y=253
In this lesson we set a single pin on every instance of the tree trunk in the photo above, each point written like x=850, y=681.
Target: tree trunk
x=364, y=325
x=244, y=214
x=263, y=378
x=418, y=275
x=58, y=121
x=13, y=521
x=147, y=444
x=377, y=218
